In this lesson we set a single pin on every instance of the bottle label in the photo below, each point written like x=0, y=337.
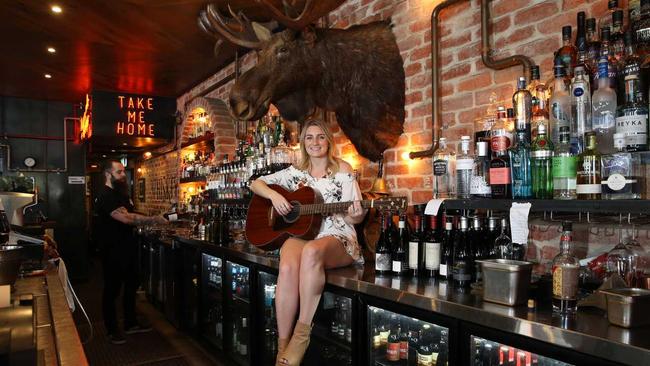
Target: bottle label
x=565, y=281
x=559, y=115
x=500, y=142
x=588, y=189
x=440, y=167
x=383, y=337
x=413, y=254
x=443, y=270
x=541, y=154
x=479, y=186
x=392, y=352
x=376, y=341
x=432, y=256
x=425, y=360
x=635, y=128
x=564, y=166
x=382, y=262
x=403, y=350
x=464, y=164
x=397, y=266
x=461, y=272
x=499, y=176
x=616, y=182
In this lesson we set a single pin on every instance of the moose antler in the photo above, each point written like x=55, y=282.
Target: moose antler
x=310, y=12
x=237, y=30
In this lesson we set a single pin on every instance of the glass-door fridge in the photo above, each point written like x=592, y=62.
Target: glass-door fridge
x=332, y=337
x=211, y=307
x=269, y=337
x=238, y=285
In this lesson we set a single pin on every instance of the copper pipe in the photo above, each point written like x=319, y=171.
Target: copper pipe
x=436, y=110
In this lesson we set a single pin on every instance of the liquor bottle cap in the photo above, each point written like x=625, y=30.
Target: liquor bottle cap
x=566, y=31
x=521, y=84
x=591, y=24
x=558, y=68
x=511, y=113
x=567, y=226
x=464, y=224
x=442, y=139
x=477, y=222
x=604, y=34
x=534, y=72
x=482, y=148
x=465, y=138
x=611, y=4
x=449, y=226
x=617, y=17
x=541, y=128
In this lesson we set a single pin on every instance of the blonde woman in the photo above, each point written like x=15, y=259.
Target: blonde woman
x=303, y=263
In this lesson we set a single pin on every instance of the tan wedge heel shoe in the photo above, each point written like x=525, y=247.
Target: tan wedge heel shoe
x=282, y=345
x=297, y=347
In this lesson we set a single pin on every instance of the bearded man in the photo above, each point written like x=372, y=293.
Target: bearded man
x=115, y=208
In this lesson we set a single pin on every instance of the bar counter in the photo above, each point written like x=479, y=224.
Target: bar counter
x=589, y=332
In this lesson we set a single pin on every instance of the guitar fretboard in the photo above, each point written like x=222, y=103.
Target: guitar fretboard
x=336, y=207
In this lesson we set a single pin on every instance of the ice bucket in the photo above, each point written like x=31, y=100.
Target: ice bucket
x=506, y=281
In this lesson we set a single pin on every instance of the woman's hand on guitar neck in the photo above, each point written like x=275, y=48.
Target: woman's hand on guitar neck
x=355, y=213
x=280, y=203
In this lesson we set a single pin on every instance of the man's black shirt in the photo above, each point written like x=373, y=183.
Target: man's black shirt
x=112, y=233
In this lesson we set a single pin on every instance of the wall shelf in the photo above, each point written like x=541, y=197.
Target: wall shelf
x=192, y=180
x=591, y=206
x=200, y=143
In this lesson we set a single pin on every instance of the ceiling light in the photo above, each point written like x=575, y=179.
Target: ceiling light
x=93, y=165
x=104, y=155
x=51, y=50
x=48, y=76
x=112, y=150
x=56, y=9
x=124, y=143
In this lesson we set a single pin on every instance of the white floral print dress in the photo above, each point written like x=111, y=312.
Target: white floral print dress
x=339, y=187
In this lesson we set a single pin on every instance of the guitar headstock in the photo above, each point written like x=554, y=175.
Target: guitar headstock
x=391, y=204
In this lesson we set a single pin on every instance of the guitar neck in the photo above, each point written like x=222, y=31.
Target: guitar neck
x=336, y=207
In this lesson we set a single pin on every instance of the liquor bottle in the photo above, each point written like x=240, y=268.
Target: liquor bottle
x=617, y=35
x=502, y=243
x=607, y=19
x=384, y=330
x=432, y=248
x=416, y=248
x=588, y=170
x=443, y=356
x=606, y=52
x=500, y=141
x=604, y=109
x=447, y=258
x=404, y=341
x=580, y=108
x=480, y=186
x=492, y=235
x=483, y=125
x=243, y=344
x=581, y=32
x=629, y=65
x=621, y=172
x=634, y=11
x=564, y=168
x=566, y=269
x=520, y=173
x=444, y=170
x=426, y=356
x=568, y=53
x=477, y=241
x=560, y=108
x=463, y=263
x=641, y=29
x=522, y=101
x=383, y=263
x=392, y=351
x=593, y=49
x=414, y=341
x=464, y=168
x=541, y=168
x=539, y=101
x=632, y=117
x=376, y=337
x=400, y=256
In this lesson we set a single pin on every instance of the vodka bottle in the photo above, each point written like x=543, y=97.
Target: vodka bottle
x=444, y=171
x=604, y=109
x=464, y=168
x=560, y=113
x=580, y=109
x=564, y=169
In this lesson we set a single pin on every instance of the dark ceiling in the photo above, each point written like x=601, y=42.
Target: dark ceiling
x=150, y=47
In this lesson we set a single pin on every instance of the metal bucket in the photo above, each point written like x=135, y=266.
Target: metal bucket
x=506, y=281
x=11, y=257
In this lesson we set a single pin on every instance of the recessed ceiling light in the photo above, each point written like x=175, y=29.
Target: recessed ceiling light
x=124, y=143
x=51, y=50
x=112, y=150
x=48, y=76
x=56, y=9
x=93, y=165
x=104, y=155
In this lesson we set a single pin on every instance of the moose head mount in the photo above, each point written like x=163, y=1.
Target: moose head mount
x=356, y=72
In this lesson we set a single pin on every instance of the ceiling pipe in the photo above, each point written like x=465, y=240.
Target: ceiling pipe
x=486, y=50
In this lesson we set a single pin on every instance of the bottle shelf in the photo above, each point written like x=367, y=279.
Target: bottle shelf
x=324, y=335
x=192, y=180
x=569, y=206
x=200, y=143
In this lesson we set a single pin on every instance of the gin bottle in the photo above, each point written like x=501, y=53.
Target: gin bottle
x=480, y=186
x=560, y=113
x=522, y=101
x=500, y=140
x=588, y=170
x=564, y=169
x=541, y=168
x=444, y=171
x=604, y=109
x=621, y=172
x=519, y=155
x=632, y=117
x=566, y=269
x=580, y=108
x=464, y=168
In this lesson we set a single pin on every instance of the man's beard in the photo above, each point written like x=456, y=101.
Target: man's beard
x=121, y=186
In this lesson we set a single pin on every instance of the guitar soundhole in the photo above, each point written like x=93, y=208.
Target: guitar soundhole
x=294, y=214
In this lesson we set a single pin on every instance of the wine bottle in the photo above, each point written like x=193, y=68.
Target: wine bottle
x=382, y=250
x=399, y=256
x=415, y=248
x=432, y=248
x=463, y=266
x=446, y=260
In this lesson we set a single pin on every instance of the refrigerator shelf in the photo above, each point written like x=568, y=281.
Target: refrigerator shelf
x=321, y=333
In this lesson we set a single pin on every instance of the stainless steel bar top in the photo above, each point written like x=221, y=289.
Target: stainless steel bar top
x=588, y=332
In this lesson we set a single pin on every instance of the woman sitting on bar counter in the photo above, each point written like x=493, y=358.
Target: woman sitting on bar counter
x=303, y=263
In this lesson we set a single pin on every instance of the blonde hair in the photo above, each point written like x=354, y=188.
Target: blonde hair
x=305, y=161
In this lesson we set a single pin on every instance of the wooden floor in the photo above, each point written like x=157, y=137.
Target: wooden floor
x=164, y=346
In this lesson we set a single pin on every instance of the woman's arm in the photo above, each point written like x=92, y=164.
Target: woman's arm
x=260, y=188
x=356, y=213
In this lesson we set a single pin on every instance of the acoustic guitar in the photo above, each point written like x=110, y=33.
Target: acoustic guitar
x=268, y=230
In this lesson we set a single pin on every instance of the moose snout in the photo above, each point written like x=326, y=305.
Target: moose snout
x=239, y=108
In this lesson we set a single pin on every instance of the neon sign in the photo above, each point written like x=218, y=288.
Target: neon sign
x=85, y=123
x=135, y=123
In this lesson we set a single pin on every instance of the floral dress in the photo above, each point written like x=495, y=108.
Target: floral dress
x=339, y=187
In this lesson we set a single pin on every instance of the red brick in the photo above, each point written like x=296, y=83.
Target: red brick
x=421, y=196
x=389, y=156
x=369, y=171
x=471, y=115
x=509, y=75
x=396, y=169
x=448, y=119
x=421, y=110
x=598, y=9
x=413, y=125
x=410, y=182
x=450, y=11
x=226, y=141
x=420, y=25
x=413, y=98
x=503, y=92
x=381, y=4
x=456, y=71
x=421, y=138
x=410, y=43
x=541, y=46
x=501, y=25
x=516, y=37
x=419, y=81
x=553, y=25
x=455, y=41
x=413, y=69
x=365, y=184
x=501, y=7
x=471, y=50
x=420, y=53
x=475, y=82
x=536, y=13
x=443, y=61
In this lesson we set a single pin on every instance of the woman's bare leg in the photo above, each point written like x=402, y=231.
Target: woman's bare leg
x=286, y=292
